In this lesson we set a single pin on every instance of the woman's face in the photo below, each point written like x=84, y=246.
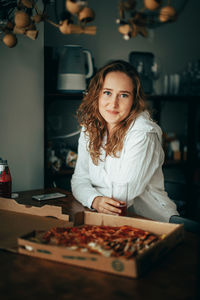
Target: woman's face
x=116, y=98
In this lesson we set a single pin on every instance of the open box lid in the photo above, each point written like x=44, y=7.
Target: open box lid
x=43, y=211
x=17, y=219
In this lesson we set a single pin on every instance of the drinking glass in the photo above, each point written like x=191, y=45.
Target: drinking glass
x=120, y=193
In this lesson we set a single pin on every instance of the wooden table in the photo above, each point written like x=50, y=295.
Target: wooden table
x=24, y=277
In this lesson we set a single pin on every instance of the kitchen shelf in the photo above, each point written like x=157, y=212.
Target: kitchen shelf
x=172, y=163
x=173, y=98
x=65, y=172
x=53, y=96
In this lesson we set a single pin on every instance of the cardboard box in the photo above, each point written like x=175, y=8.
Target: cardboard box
x=17, y=219
x=126, y=267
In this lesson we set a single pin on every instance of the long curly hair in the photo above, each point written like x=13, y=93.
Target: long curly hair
x=95, y=126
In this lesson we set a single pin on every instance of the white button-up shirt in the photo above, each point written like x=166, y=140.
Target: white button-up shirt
x=137, y=172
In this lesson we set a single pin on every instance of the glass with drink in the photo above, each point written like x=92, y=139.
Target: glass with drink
x=120, y=193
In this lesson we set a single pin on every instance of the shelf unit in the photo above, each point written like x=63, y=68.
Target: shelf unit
x=191, y=166
x=188, y=167
x=50, y=176
x=193, y=102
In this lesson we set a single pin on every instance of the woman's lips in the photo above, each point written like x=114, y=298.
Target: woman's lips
x=112, y=112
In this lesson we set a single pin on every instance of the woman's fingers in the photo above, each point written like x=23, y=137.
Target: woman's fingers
x=106, y=205
x=106, y=211
x=113, y=202
x=112, y=207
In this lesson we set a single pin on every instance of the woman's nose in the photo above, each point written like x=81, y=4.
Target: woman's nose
x=114, y=101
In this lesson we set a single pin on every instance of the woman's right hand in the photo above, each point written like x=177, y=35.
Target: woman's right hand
x=106, y=205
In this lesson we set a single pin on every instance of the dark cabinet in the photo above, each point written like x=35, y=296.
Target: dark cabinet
x=60, y=124
x=182, y=172
x=61, y=138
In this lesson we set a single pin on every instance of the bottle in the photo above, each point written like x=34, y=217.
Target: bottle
x=54, y=161
x=5, y=180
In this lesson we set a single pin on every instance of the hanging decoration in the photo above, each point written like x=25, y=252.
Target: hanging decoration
x=21, y=18
x=136, y=16
x=76, y=17
x=17, y=18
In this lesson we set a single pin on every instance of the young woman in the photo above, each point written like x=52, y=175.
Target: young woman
x=120, y=146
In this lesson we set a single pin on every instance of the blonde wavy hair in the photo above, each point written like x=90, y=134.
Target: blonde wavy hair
x=95, y=126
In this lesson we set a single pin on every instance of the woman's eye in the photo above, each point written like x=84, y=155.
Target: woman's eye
x=107, y=93
x=124, y=95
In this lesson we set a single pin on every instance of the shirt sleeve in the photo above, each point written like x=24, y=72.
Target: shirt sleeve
x=142, y=156
x=82, y=188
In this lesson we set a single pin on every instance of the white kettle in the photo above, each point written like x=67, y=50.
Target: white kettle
x=74, y=67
